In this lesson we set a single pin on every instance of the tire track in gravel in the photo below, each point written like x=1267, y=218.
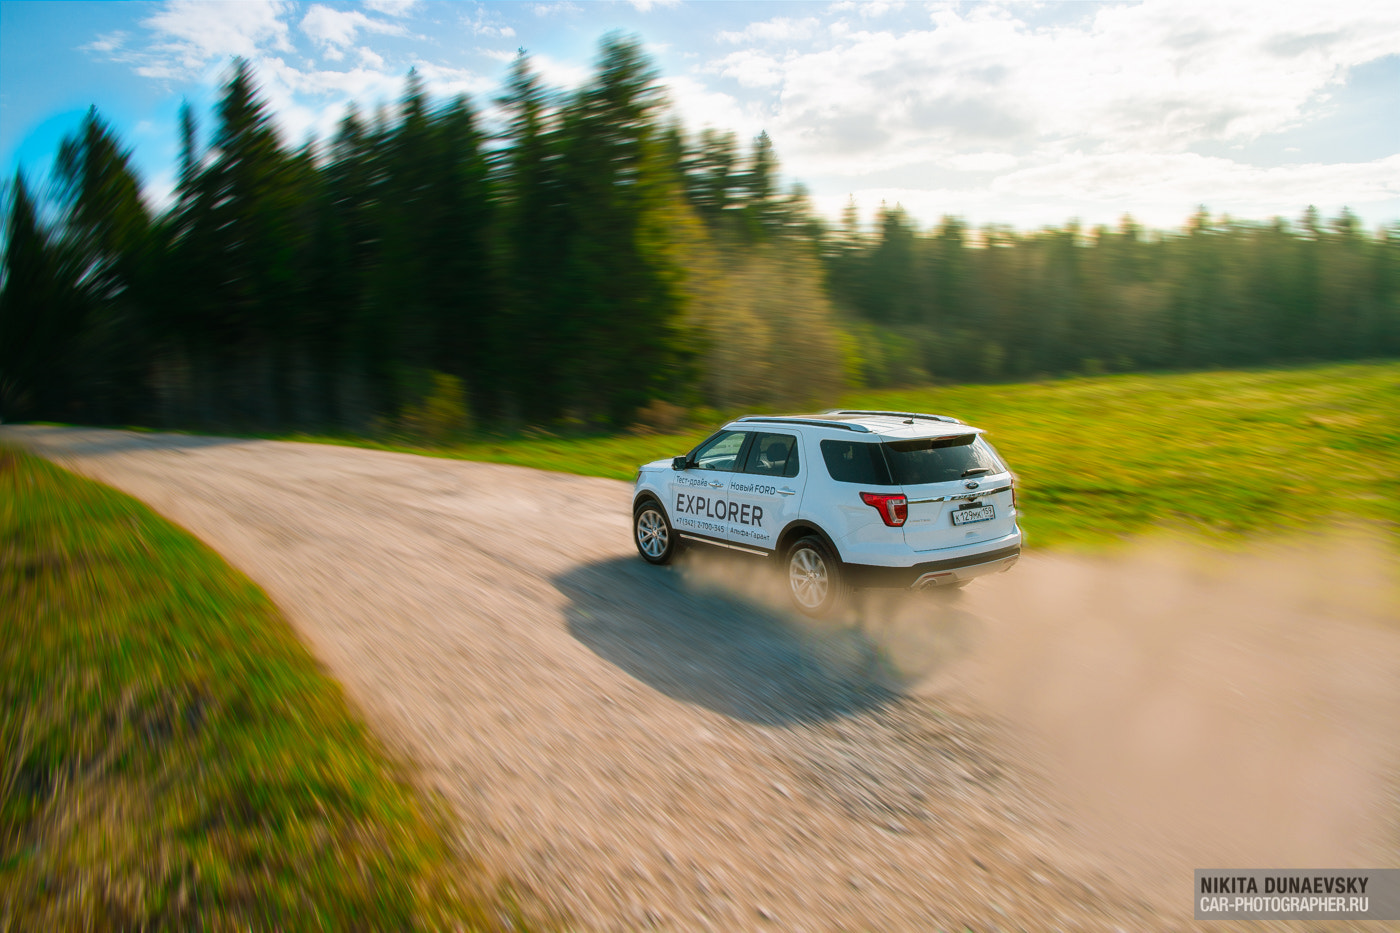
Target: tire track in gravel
x=640, y=747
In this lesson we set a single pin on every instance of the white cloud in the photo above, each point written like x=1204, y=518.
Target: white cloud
x=781, y=29
x=979, y=162
x=1158, y=190
x=646, y=6
x=481, y=25
x=1156, y=77
x=110, y=42
x=193, y=41
x=334, y=30
x=443, y=81
x=750, y=68
x=392, y=7
x=561, y=8
x=500, y=55
x=311, y=102
x=1175, y=178
x=867, y=9
x=194, y=32
x=560, y=74
x=703, y=107
x=159, y=191
x=331, y=27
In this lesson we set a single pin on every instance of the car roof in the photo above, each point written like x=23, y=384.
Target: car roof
x=892, y=424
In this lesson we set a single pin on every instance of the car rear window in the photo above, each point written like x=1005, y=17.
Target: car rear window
x=855, y=462
x=910, y=463
x=940, y=459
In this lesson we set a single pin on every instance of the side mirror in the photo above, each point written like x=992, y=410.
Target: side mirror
x=679, y=463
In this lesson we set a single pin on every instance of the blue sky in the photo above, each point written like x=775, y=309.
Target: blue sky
x=1024, y=114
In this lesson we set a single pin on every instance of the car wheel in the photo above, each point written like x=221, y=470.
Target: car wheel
x=652, y=532
x=815, y=581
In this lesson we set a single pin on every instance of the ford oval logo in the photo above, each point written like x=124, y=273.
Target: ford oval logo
x=970, y=484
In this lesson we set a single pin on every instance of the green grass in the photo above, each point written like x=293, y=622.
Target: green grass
x=173, y=757
x=1225, y=454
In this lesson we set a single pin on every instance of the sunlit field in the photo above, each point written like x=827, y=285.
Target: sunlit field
x=1233, y=452
x=173, y=756
x=1225, y=454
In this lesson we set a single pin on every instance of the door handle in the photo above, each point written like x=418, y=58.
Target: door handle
x=787, y=492
x=716, y=485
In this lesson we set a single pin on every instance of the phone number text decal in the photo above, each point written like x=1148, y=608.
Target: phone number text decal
x=721, y=510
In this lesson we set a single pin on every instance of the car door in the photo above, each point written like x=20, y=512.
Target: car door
x=699, y=503
x=766, y=492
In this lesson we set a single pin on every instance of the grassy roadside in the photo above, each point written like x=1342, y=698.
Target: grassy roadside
x=172, y=755
x=1219, y=453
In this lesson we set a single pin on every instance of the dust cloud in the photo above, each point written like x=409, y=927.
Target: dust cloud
x=1236, y=709
x=1190, y=707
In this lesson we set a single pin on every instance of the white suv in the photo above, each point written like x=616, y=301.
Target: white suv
x=842, y=499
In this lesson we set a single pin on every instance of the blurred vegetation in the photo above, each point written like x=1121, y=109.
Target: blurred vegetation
x=441, y=414
x=1224, y=454
x=173, y=756
x=1060, y=301
x=585, y=261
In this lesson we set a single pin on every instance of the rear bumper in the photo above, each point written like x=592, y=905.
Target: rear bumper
x=934, y=572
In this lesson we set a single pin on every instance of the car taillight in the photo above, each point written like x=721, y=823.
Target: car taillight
x=1013, y=496
x=893, y=507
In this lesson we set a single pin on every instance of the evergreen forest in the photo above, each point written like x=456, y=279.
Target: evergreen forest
x=590, y=264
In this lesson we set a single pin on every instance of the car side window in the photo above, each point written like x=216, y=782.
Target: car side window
x=720, y=452
x=856, y=462
x=772, y=455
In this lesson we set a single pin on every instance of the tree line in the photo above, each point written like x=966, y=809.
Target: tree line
x=1218, y=293
x=588, y=261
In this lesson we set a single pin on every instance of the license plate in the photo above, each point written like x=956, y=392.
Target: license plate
x=967, y=516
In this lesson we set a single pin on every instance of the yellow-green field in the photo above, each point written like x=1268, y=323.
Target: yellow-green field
x=1220, y=453
x=173, y=758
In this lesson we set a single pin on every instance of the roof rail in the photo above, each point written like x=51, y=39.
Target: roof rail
x=894, y=414
x=844, y=425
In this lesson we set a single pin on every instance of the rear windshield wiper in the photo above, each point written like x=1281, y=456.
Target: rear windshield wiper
x=975, y=471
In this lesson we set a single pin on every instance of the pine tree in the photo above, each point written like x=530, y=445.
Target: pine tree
x=249, y=244
x=620, y=306
x=108, y=225
x=530, y=331
x=42, y=308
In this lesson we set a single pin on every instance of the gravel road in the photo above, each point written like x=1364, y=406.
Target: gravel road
x=637, y=747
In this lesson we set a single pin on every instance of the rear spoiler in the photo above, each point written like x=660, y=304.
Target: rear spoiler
x=894, y=414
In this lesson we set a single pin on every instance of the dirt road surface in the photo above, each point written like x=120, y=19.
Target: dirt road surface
x=640, y=747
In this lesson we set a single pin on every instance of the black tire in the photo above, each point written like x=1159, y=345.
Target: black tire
x=652, y=532
x=816, y=583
